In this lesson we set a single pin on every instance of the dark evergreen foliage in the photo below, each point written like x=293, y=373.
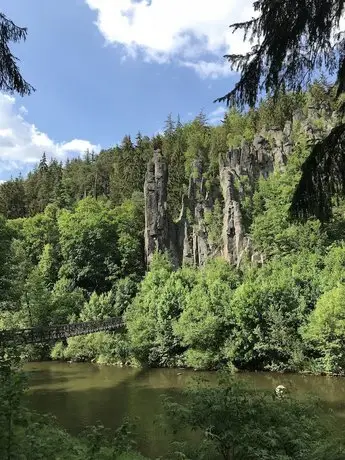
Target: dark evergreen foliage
x=13, y=198
x=323, y=176
x=290, y=43
x=10, y=78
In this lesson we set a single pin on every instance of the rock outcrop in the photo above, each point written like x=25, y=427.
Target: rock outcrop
x=196, y=244
x=188, y=240
x=156, y=216
x=246, y=164
x=233, y=234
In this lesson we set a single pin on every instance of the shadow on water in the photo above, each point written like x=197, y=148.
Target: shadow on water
x=137, y=396
x=82, y=394
x=43, y=377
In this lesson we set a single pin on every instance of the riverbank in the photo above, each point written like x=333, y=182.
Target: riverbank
x=232, y=369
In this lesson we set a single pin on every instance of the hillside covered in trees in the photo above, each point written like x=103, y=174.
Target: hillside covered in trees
x=207, y=266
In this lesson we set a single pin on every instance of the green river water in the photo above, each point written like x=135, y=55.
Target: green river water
x=82, y=394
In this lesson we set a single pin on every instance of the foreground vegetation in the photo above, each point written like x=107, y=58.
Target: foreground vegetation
x=231, y=421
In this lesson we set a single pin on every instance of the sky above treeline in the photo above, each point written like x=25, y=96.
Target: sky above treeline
x=106, y=68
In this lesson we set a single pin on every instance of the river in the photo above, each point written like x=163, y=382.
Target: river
x=82, y=394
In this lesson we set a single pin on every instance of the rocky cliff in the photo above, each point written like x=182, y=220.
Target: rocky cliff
x=189, y=240
x=156, y=215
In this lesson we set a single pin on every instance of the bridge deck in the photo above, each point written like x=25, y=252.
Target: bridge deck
x=46, y=334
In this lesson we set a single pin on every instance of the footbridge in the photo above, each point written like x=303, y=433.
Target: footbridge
x=55, y=333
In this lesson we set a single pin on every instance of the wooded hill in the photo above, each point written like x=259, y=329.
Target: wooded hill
x=237, y=281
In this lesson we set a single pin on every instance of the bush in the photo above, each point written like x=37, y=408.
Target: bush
x=202, y=326
x=99, y=307
x=237, y=422
x=266, y=313
x=100, y=347
x=326, y=329
x=151, y=316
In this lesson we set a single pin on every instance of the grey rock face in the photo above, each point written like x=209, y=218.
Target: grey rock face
x=248, y=163
x=188, y=240
x=233, y=229
x=196, y=246
x=156, y=217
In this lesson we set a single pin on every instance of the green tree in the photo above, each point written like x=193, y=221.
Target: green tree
x=326, y=329
x=198, y=144
x=81, y=177
x=98, y=307
x=149, y=318
x=19, y=266
x=36, y=300
x=333, y=273
x=67, y=301
x=130, y=223
x=238, y=127
x=123, y=292
x=6, y=292
x=266, y=313
x=11, y=78
x=272, y=230
x=89, y=245
x=55, y=171
x=218, y=146
x=44, y=186
x=12, y=198
x=275, y=112
x=12, y=385
x=37, y=231
x=129, y=168
x=49, y=264
x=174, y=147
x=102, y=173
x=203, y=324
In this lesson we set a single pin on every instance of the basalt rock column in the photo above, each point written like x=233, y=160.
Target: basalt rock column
x=234, y=240
x=156, y=217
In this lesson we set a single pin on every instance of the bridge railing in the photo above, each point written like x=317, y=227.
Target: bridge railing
x=53, y=333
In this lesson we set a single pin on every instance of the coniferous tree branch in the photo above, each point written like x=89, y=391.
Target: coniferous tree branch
x=291, y=41
x=11, y=79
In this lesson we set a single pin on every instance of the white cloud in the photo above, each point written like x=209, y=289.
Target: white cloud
x=181, y=30
x=209, y=69
x=217, y=115
x=23, y=110
x=22, y=143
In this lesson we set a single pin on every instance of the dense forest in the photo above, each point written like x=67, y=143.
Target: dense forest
x=73, y=250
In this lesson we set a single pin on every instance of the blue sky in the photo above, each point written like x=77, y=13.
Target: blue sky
x=106, y=68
